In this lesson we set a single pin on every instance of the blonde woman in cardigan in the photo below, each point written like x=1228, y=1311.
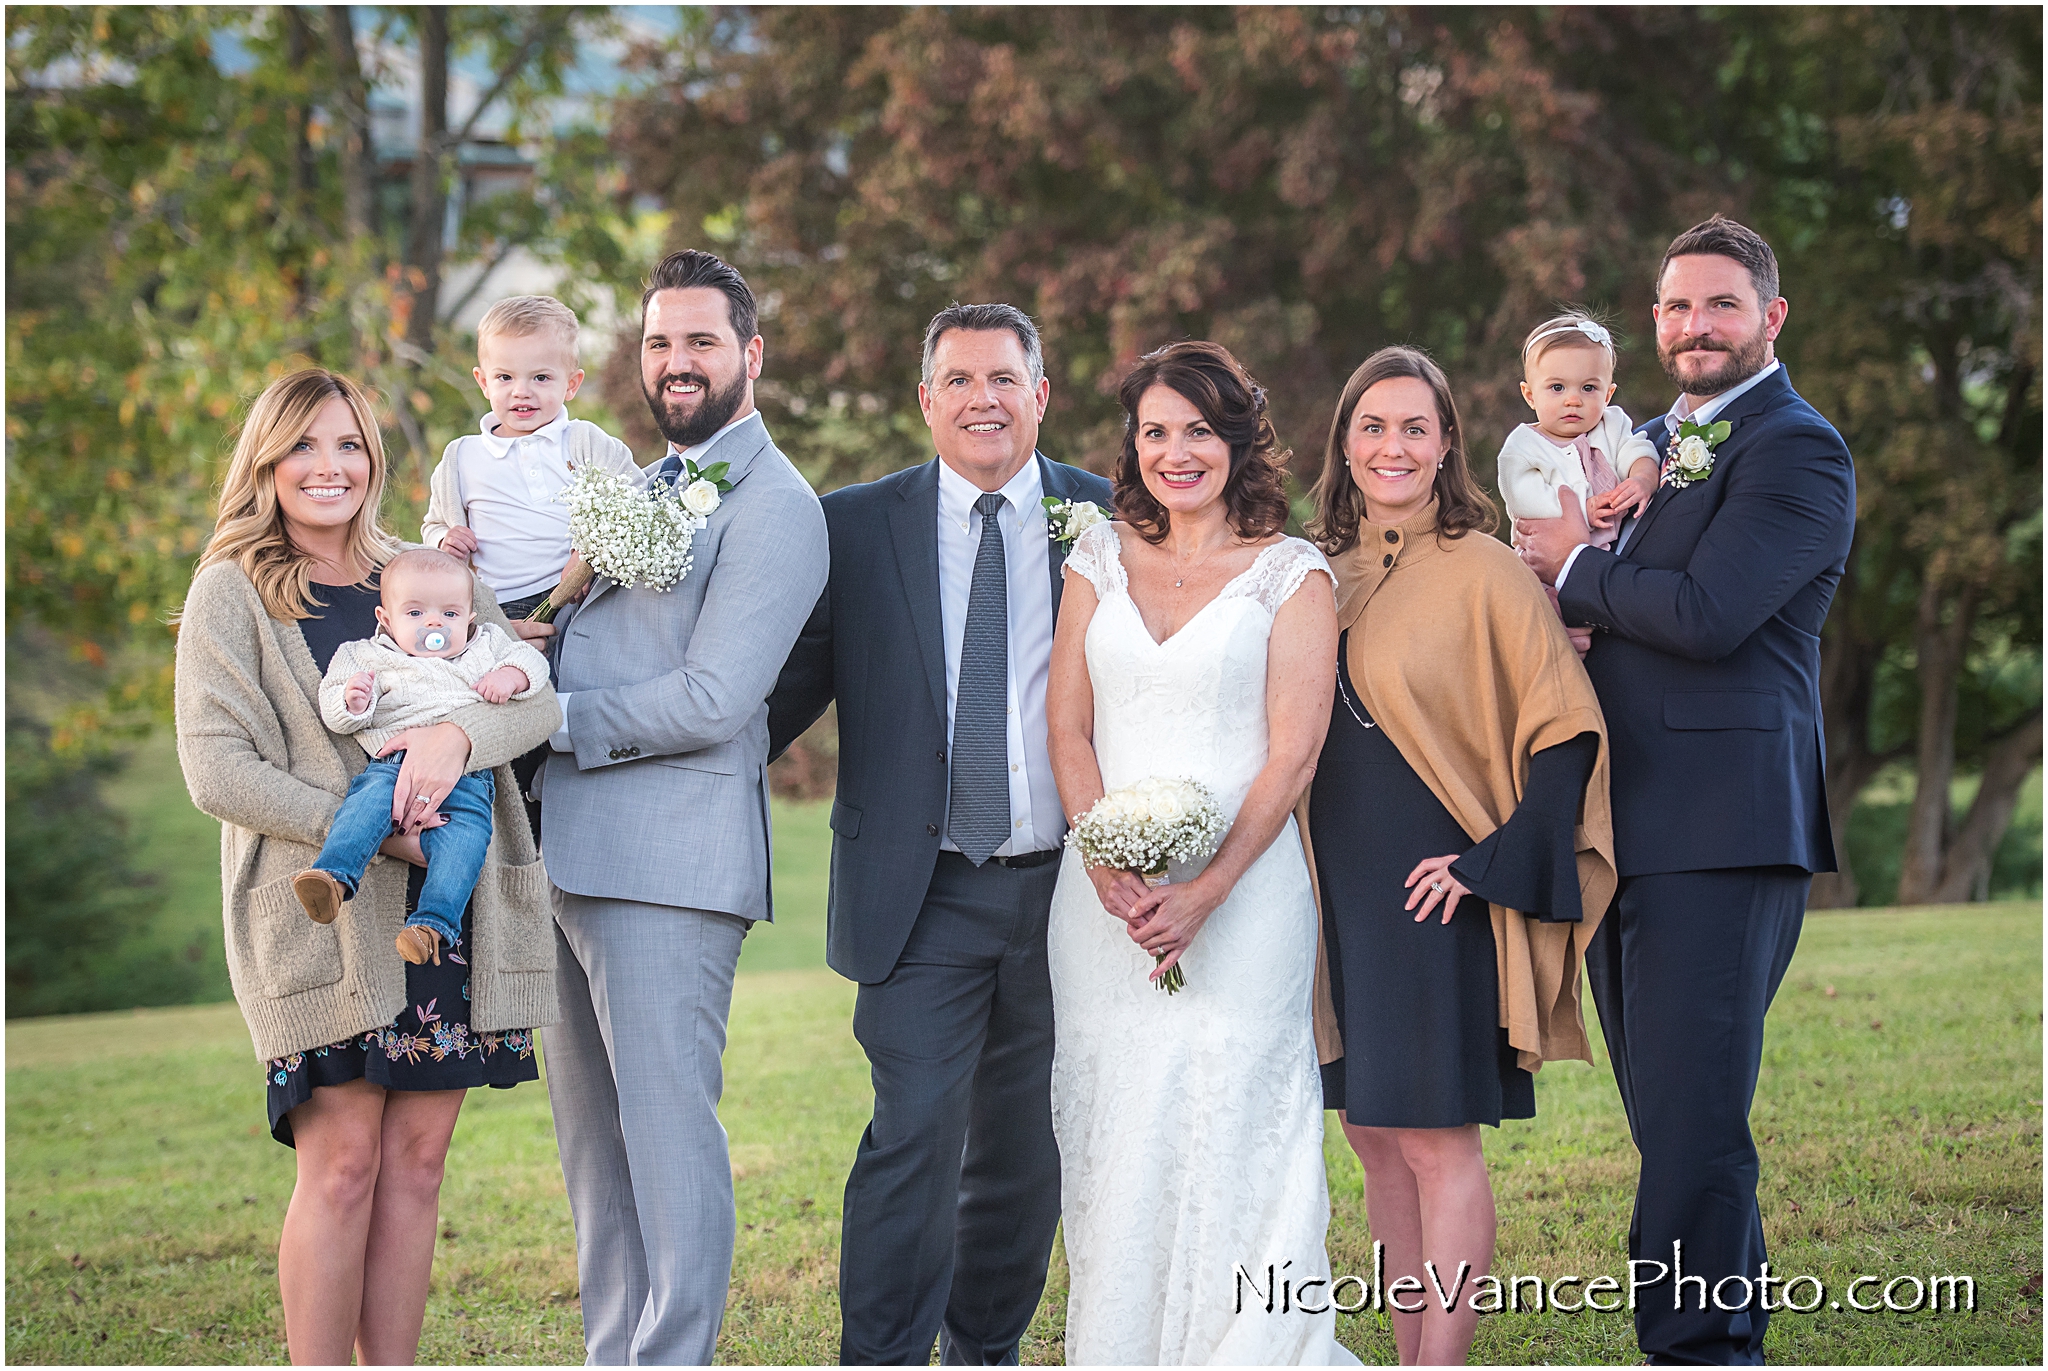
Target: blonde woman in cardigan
x=1459, y=823
x=367, y=1059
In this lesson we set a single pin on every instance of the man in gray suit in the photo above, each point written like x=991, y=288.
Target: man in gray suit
x=655, y=832
x=935, y=637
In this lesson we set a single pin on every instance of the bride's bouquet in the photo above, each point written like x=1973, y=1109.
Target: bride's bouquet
x=1142, y=827
x=637, y=535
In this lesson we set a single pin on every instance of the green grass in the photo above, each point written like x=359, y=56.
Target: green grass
x=1899, y=1116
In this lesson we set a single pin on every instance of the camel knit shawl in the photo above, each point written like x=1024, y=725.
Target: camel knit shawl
x=1457, y=654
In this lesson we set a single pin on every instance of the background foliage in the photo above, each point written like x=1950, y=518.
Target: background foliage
x=196, y=204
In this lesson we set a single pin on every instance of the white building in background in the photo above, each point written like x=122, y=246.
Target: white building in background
x=488, y=164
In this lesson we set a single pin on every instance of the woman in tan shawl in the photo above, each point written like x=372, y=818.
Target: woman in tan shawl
x=1460, y=828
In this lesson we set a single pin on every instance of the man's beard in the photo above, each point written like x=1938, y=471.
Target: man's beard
x=713, y=412
x=1738, y=364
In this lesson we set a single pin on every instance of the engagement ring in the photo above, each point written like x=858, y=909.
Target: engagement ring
x=1436, y=885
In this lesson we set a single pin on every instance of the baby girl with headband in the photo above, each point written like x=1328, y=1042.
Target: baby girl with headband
x=1579, y=442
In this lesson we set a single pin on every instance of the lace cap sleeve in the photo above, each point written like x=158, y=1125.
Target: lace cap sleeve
x=1281, y=569
x=1098, y=555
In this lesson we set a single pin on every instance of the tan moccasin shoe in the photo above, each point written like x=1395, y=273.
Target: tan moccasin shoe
x=320, y=893
x=417, y=944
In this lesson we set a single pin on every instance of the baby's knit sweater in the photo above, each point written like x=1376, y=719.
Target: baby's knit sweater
x=412, y=692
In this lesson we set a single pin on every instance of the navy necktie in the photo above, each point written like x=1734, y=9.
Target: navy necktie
x=978, y=814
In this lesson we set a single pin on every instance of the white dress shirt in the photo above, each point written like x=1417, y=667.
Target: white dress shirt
x=1682, y=409
x=509, y=485
x=560, y=740
x=1036, y=823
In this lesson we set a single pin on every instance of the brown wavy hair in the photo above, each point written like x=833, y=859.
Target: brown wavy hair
x=250, y=531
x=1234, y=405
x=1462, y=505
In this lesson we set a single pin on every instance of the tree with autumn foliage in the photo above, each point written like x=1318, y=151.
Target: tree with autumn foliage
x=181, y=231
x=1305, y=185
x=192, y=210
x=1301, y=184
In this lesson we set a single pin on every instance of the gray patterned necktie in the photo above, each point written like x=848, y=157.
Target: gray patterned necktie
x=978, y=816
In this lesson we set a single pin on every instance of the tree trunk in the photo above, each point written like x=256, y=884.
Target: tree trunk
x=1941, y=647
x=1848, y=674
x=299, y=48
x=429, y=194
x=358, y=155
x=301, y=203
x=1966, y=866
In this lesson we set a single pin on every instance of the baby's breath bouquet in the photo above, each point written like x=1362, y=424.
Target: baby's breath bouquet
x=637, y=535
x=1144, y=826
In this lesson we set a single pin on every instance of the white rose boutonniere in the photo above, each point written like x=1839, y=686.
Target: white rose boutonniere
x=701, y=498
x=703, y=488
x=1690, y=454
x=1066, y=520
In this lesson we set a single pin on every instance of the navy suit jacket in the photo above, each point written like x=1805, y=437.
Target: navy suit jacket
x=1708, y=665
x=876, y=643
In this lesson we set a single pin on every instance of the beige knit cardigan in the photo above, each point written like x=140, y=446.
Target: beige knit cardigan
x=258, y=758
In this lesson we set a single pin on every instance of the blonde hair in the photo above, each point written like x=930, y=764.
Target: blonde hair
x=521, y=316
x=1573, y=328
x=250, y=530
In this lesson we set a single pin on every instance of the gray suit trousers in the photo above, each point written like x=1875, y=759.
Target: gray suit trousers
x=634, y=1076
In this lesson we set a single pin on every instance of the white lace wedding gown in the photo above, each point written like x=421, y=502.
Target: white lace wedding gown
x=1190, y=1125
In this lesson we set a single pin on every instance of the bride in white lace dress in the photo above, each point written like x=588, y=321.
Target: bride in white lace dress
x=1191, y=1125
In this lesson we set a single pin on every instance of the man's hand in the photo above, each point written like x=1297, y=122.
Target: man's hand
x=360, y=692
x=500, y=684
x=459, y=542
x=1545, y=543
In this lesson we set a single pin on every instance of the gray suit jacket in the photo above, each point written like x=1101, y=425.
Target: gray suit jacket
x=665, y=798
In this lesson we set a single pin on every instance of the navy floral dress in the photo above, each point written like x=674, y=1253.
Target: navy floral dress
x=430, y=1045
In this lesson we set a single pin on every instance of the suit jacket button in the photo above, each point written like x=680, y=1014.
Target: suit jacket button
x=932, y=830
x=942, y=754
x=614, y=754
x=632, y=752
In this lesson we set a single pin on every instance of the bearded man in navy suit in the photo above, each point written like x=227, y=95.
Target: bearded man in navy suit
x=1707, y=617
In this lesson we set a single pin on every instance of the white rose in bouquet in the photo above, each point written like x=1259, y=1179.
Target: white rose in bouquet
x=1165, y=807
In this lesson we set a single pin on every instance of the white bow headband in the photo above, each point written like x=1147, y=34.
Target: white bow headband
x=1594, y=333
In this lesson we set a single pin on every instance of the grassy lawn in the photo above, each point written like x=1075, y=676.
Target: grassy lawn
x=1899, y=1116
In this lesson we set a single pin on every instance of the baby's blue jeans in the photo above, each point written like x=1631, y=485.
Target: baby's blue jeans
x=455, y=850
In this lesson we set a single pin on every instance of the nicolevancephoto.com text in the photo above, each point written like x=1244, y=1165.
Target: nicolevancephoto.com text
x=1642, y=1282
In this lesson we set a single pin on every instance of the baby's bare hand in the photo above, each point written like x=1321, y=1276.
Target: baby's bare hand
x=501, y=684
x=459, y=542
x=359, y=692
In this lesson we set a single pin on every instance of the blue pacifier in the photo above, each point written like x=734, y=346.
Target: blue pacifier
x=434, y=640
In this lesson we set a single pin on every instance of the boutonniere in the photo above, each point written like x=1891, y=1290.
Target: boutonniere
x=1066, y=520
x=704, y=487
x=1691, y=452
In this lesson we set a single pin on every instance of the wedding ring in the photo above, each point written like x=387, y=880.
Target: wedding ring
x=419, y=800
x=1436, y=885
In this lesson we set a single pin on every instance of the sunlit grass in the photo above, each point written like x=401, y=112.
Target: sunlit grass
x=1899, y=1116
